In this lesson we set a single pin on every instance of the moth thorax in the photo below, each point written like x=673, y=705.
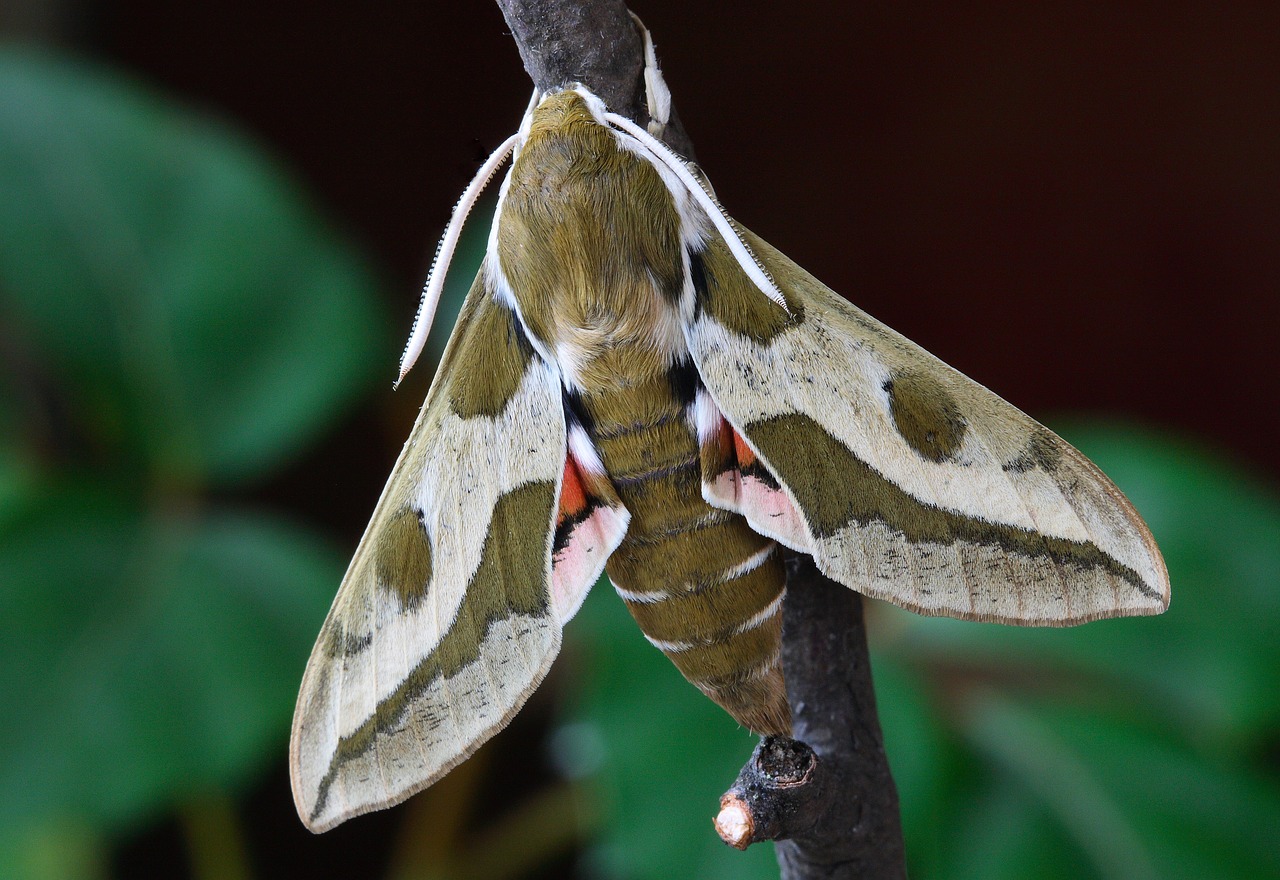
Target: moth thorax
x=589, y=240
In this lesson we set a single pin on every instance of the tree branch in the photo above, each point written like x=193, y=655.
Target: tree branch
x=833, y=707
x=831, y=804
x=593, y=42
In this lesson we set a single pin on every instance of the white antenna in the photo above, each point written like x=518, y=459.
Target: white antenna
x=739, y=248
x=444, y=255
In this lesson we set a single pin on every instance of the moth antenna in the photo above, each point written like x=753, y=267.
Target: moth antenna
x=656, y=94
x=444, y=255
x=527, y=120
x=699, y=190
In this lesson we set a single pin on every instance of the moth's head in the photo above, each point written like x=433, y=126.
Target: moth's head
x=564, y=109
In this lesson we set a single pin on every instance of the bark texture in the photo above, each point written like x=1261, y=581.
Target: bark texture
x=858, y=831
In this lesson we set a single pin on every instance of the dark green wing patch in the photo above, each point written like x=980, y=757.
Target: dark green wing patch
x=716, y=274
x=925, y=414
x=403, y=557
x=496, y=337
x=1041, y=452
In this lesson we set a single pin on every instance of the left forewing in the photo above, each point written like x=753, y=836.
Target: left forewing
x=445, y=621
x=905, y=479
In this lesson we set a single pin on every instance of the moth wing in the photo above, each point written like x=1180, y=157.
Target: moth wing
x=905, y=479
x=447, y=618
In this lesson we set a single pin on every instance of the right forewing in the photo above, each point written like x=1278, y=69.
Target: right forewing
x=905, y=479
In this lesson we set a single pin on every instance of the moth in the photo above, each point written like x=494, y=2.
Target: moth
x=637, y=384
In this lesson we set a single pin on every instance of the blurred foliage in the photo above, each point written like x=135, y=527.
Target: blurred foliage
x=175, y=324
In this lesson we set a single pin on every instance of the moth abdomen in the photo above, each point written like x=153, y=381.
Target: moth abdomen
x=704, y=587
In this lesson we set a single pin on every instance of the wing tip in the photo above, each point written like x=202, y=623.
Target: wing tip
x=318, y=823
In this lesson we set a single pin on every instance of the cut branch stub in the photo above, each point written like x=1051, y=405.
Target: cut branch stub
x=780, y=791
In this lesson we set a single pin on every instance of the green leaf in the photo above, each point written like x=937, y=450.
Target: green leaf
x=169, y=281
x=1130, y=797
x=995, y=830
x=146, y=655
x=1121, y=748
x=1071, y=789
x=55, y=850
x=923, y=757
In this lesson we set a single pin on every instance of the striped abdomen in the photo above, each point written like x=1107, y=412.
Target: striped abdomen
x=704, y=587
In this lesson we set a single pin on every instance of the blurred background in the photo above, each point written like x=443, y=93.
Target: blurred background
x=214, y=222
